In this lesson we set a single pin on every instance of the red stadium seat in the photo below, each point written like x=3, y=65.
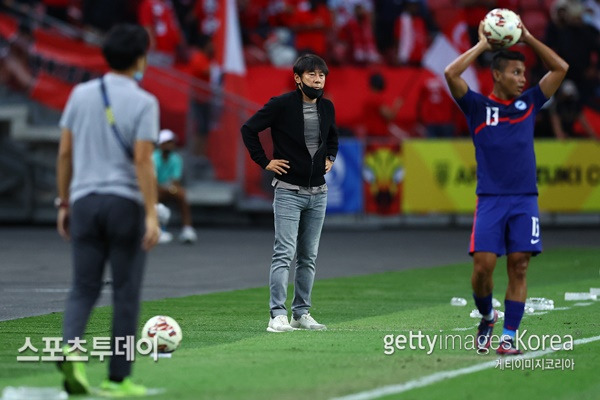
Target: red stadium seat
x=50, y=91
x=435, y=5
x=8, y=26
x=532, y=5
x=536, y=21
x=69, y=51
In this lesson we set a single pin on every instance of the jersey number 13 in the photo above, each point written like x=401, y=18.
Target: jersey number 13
x=491, y=116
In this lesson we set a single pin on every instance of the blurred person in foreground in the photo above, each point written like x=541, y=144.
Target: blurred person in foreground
x=506, y=217
x=305, y=142
x=106, y=204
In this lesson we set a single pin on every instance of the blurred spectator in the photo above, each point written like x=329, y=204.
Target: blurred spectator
x=200, y=65
x=169, y=170
x=255, y=31
x=103, y=14
x=386, y=14
x=343, y=10
x=280, y=48
x=184, y=13
x=166, y=40
x=435, y=109
x=353, y=31
x=279, y=12
x=15, y=70
x=360, y=33
x=577, y=43
x=566, y=110
x=312, y=22
x=252, y=14
x=591, y=15
x=380, y=110
x=205, y=13
x=58, y=8
x=411, y=34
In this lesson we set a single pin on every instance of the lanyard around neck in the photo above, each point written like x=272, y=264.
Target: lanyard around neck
x=110, y=117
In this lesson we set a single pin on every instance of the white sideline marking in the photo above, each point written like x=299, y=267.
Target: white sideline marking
x=464, y=329
x=440, y=376
x=36, y=290
x=42, y=290
x=583, y=304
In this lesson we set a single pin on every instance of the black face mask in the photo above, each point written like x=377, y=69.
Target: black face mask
x=311, y=93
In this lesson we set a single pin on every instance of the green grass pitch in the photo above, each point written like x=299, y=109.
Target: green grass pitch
x=227, y=354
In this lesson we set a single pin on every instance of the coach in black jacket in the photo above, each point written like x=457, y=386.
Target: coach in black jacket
x=283, y=114
x=305, y=143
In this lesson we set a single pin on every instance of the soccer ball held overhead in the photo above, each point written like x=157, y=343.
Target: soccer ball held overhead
x=502, y=27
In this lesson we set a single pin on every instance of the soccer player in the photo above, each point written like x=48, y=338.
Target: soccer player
x=305, y=141
x=506, y=217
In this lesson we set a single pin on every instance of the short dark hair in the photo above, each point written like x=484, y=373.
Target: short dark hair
x=25, y=27
x=310, y=62
x=502, y=57
x=124, y=44
x=377, y=81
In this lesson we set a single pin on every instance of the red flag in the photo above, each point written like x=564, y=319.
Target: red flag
x=224, y=143
x=447, y=46
x=228, y=39
x=456, y=30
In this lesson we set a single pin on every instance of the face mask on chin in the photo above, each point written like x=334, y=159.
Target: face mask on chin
x=138, y=76
x=310, y=92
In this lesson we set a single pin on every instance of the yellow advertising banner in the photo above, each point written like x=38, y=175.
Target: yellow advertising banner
x=440, y=176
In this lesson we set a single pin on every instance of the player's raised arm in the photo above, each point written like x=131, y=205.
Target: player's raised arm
x=458, y=86
x=557, y=66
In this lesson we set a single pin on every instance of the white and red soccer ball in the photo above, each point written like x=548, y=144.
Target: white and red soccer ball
x=502, y=27
x=165, y=330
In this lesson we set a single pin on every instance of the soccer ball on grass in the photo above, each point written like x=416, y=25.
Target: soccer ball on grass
x=502, y=27
x=165, y=330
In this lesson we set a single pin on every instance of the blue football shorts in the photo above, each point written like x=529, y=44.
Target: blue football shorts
x=506, y=224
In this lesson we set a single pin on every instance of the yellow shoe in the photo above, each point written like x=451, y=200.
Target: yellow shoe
x=75, y=379
x=122, y=389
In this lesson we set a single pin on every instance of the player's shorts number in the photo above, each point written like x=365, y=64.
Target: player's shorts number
x=535, y=227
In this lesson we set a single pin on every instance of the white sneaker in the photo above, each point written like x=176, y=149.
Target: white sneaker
x=188, y=235
x=165, y=237
x=279, y=324
x=306, y=321
x=164, y=214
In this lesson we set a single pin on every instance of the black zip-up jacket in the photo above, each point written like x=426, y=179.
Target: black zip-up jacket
x=284, y=115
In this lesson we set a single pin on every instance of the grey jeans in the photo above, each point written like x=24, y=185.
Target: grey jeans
x=298, y=222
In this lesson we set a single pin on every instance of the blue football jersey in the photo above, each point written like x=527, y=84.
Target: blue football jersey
x=502, y=132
